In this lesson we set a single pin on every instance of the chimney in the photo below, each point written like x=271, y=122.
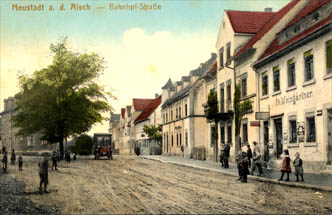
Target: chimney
x=268, y=9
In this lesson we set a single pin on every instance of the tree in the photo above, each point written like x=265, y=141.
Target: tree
x=83, y=145
x=240, y=109
x=153, y=133
x=63, y=99
x=212, y=103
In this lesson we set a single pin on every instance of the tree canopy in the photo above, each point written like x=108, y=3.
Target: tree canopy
x=63, y=99
x=153, y=132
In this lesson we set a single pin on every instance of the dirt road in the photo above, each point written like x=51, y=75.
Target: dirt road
x=129, y=184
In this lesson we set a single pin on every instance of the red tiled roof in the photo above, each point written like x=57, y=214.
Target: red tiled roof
x=309, y=8
x=140, y=104
x=274, y=46
x=248, y=21
x=148, y=109
x=123, y=111
x=267, y=26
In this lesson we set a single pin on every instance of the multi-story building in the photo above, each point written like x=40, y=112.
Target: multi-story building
x=183, y=115
x=294, y=79
x=8, y=132
x=243, y=36
x=150, y=115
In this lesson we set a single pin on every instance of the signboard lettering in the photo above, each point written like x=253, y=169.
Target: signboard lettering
x=293, y=98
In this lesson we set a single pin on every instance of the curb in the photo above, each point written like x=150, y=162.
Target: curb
x=256, y=178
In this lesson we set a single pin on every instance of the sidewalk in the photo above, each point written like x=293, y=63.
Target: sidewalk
x=311, y=181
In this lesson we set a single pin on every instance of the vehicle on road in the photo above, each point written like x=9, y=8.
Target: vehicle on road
x=102, y=145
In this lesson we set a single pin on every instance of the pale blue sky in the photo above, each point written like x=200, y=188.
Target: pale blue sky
x=142, y=48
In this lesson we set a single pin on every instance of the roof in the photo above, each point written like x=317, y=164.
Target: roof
x=275, y=46
x=148, y=109
x=204, y=66
x=185, y=78
x=248, y=21
x=309, y=8
x=177, y=96
x=123, y=111
x=169, y=85
x=267, y=26
x=140, y=104
x=179, y=83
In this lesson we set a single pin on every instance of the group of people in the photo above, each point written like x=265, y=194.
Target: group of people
x=12, y=160
x=249, y=161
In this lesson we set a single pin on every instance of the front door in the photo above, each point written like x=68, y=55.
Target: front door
x=329, y=136
x=278, y=130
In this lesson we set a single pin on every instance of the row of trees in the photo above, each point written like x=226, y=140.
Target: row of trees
x=63, y=99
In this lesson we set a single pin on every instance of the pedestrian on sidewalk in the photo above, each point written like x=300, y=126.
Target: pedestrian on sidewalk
x=226, y=154
x=238, y=160
x=286, y=167
x=43, y=173
x=54, y=160
x=244, y=167
x=298, y=166
x=20, y=162
x=4, y=162
x=256, y=156
x=249, y=154
x=222, y=157
x=13, y=158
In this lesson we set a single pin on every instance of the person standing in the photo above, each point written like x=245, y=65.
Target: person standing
x=286, y=167
x=256, y=156
x=244, y=167
x=249, y=154
x=43, y=173
x=20, y=162
x=54, y=160
x=298, y=166
x=226, y=153
x=238, y=162
x=4, y=162
x=13, y=158
x=222, y=157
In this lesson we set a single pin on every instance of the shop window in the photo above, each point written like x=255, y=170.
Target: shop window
x=291, y=72
x=221, y=57
x=177, y=139
x=245, y=133
x=276, y=79
x=309, y=66
x=186, y=138
x=265, y=84
x=292, y=131
x=172, y=140
x=329, y=57
x=229, y=133
x=311, y=129
x=180, y=139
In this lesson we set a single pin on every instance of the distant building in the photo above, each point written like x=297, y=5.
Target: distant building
x=8, y=132
x=114, y=129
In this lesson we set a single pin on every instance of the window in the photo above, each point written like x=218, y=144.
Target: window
x=228, y=51
x=186, y=138
x=222, y=133
x=180, y=112
x=171, y=115
x=309, y=66
x=329, y=57
x=176, y=116
x=222, y=99
x=276, y=79
x=245, y=133
x=266, y=132
x=221, y=57
x=177, y=139
x=185, y=110
x=229, y=132
x=244, y=87
x=229, y=97
x=172, y=140
x=265, y=83
x=180, y=139
x=292, y=131
x=166, y=117
x=291, y=72
x=311, y=128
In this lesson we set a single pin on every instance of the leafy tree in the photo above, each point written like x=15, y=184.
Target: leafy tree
x=62, y=99
x=212, y=103
x=153, y=132
x=83, y=145
x=240, y=109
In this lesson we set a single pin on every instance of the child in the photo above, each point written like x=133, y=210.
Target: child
x=286, y=167
x=244, y=167
x=298, y=166
x=5, y=162
x=20, y=162
x=13, y=158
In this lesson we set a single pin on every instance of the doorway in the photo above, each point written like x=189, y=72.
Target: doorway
x=278, y=133
x=329, y=136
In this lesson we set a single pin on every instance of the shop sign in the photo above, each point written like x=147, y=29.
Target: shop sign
x=292, y=99
x=262, y=115
x=255, y=123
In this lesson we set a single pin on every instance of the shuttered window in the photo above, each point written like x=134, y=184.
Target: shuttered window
x=329, y=57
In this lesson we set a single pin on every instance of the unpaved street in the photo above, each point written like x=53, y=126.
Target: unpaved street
x=129, y=184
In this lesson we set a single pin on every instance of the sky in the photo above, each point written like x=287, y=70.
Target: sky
x=142, y=48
